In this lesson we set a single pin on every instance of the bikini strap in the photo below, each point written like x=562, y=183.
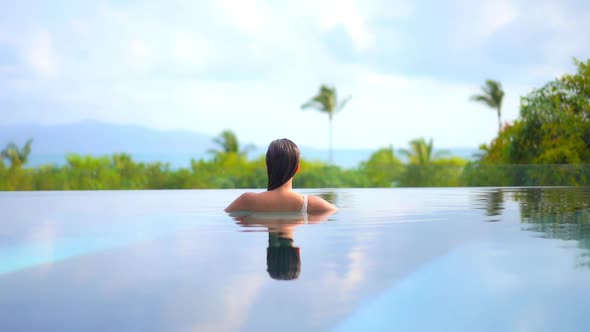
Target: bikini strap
x=304, y=207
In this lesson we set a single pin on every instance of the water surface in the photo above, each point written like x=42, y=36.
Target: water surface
x=484, y=259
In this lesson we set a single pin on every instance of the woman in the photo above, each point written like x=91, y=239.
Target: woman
x=282, y=162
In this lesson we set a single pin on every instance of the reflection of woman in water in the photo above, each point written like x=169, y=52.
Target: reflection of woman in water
x=282, y=256
x=282, y=162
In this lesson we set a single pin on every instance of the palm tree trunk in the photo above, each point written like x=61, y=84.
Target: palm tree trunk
x=330, y=157
x=499, y=121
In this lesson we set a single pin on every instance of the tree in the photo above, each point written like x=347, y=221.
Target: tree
x=554, y=124
x=421, y=152
x=326, y=101
x=426, y=169
x=492, y=96
x=551, y=133
x=383, y=168
x=228, y=143
x=15, y=155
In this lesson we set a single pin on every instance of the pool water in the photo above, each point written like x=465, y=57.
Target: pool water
x=458, y=259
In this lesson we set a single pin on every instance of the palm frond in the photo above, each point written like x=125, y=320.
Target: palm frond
x=405, y=152
x=442, y=154
x=484, y=99
x=247, y=149
x=26, y=151
x=343, y=103
x=312, y=104
x=213, y=151
x=492, y=94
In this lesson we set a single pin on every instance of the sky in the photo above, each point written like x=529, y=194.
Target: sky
x=248, y=65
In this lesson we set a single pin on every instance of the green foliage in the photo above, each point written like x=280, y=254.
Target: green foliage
x=442, y=173
x=226, y=170
x=228, y=143
x=234, y=170
x=479, y=174
x=420, y=152
x=15, y=177
x=427, y=169
x=383, y=169
x=554, y=125
x=553, y=129
x=486, y=175
x=15, y=155
x=448, y=172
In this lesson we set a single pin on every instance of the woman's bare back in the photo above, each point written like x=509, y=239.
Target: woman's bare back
x=278, y=201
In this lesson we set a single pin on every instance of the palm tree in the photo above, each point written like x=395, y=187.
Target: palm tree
x=492, y=96
x=421, y=152
x=327, y=101
x=228, y=143
x=16, y=156
x=421, y=170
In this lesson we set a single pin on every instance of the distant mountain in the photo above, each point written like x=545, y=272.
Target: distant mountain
x=94, y=138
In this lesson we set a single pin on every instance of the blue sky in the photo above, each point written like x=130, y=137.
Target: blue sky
x=248, y=65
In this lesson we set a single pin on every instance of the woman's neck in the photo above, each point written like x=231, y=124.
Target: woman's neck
x=288, y=186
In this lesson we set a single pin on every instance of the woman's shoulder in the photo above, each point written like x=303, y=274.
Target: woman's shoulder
x=243, y=202
x=271, y=201
x=316, y=203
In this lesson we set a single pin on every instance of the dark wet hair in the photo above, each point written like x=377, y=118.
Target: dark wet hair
x=282, y=159
x=282, y=258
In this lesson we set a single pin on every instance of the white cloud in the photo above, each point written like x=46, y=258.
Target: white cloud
x=138, y=49
x=80, y=27
x=498, y=15
x=545, y=72
x=191, y=49
x=40, y=54
x=247, y=64
x=115, y=15
x=562, y=38
x=4, y=38
x=141, y=57
x=391, y=9
x=385, y=109
x=483, y=20
x=551, y=15
x=6, y=69
x=246, y=14
x=347, y=14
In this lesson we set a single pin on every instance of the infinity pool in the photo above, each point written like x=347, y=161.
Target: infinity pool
x=479, y=259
